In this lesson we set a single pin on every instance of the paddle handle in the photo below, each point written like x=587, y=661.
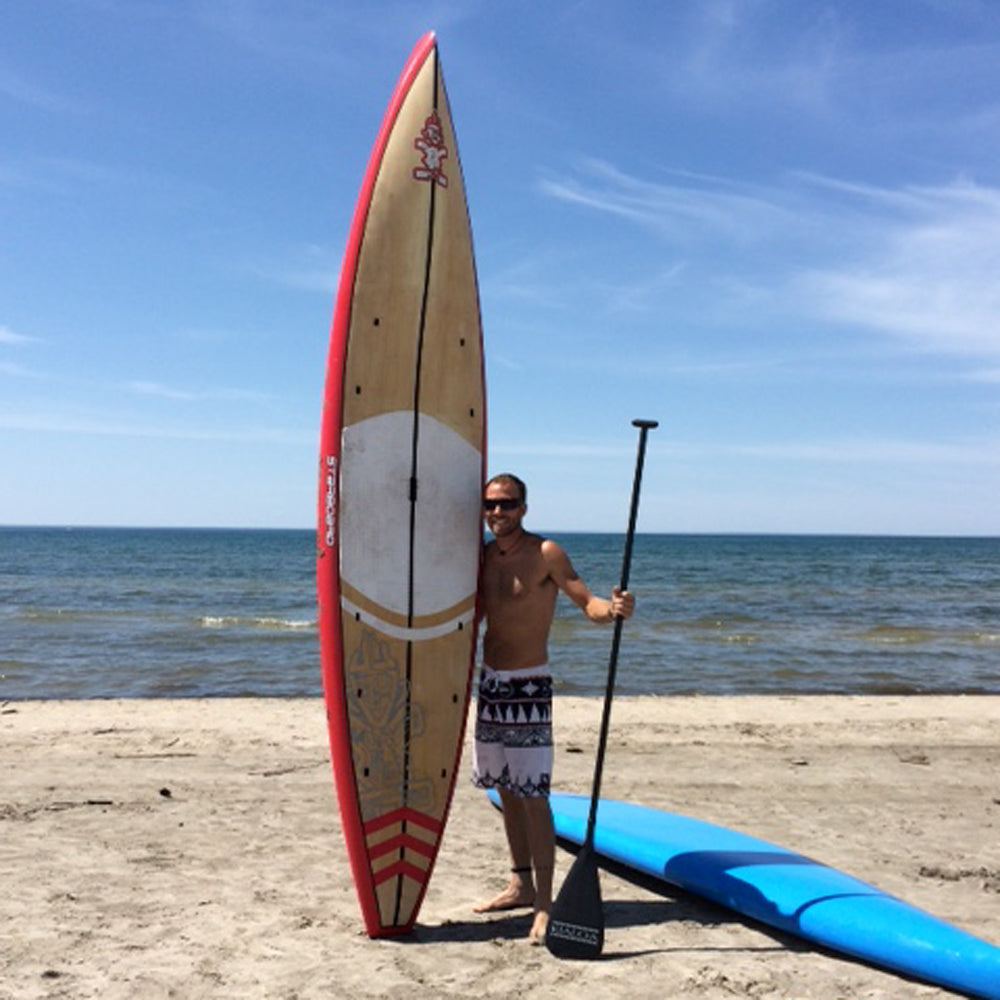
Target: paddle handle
x=645, y=426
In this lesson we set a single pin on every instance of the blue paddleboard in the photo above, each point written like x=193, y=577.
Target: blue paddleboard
x=784, y=890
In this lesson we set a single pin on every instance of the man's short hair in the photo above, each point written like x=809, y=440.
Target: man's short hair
x=509, y=479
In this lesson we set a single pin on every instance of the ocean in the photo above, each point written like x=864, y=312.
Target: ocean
x=148, y=613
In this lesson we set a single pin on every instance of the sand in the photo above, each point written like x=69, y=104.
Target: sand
x=193, y=849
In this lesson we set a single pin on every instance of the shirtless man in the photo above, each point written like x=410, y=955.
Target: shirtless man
x=521, y=578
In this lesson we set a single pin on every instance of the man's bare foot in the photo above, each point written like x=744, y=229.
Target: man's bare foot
x=539, y=927
x=516, y=896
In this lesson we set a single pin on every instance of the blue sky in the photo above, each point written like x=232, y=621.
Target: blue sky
x=772, y=225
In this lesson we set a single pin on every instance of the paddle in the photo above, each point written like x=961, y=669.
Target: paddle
x=576, y=924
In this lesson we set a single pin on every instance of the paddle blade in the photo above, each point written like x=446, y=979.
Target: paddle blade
x=576, y=924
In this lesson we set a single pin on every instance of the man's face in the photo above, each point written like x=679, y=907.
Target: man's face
x=502, y=508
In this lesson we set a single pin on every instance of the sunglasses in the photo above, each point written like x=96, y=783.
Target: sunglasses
x=504, y=503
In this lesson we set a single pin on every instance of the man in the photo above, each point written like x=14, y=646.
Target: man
x=522, y=575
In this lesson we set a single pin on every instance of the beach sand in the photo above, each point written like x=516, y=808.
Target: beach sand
x=193, y=849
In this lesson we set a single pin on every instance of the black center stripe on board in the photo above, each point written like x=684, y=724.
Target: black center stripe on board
x=415, y=487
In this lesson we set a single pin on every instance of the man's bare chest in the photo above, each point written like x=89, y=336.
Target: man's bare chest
x=517, y=581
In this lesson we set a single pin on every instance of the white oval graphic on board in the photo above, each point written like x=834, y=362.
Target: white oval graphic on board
x=376, y=465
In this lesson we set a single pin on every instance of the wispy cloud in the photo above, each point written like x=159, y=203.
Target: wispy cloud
x=317, y=279
x=918, y=263
x=821, y=63
x=875, y=451
x=505, y=361
x=556, y=450
x=9, y=336
x=684, y=208
x=298, y=36
x=310, y=268
x=219, y=394
x=717, y=55
x=96, y=426
x=523, y=277
x=23, y=90
x=160, y=391
x=292, y=38
x=984, y=452
x=16, y=371
x=83, y=177
x=931, y=276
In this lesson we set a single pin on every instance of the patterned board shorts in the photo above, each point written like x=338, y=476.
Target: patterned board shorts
x=513, y=745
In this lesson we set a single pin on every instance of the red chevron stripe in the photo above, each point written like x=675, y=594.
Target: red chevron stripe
x=404, y=840
x=401, y=868
x=400, y=815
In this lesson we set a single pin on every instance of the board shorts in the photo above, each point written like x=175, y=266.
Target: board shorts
x=512, y=751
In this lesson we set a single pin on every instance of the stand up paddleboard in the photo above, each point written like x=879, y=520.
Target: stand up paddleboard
x=784, y=890
x=400, y=532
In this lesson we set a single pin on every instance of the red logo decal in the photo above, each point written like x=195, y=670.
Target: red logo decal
x=430, y=142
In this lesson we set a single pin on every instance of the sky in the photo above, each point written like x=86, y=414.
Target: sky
x=771, y=225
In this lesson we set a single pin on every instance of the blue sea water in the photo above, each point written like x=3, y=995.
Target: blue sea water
x=125, y=613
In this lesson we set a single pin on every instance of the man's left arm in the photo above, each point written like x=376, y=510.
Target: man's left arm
x=597, y=609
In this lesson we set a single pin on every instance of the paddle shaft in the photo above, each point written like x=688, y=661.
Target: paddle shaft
x=576, y=924
x=645, y=426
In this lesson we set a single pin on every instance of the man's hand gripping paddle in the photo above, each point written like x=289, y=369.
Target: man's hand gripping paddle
x=576, y=924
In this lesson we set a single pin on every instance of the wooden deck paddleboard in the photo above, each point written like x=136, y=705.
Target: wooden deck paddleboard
x=400, y=530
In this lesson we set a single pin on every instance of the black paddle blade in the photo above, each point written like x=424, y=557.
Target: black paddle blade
x=576, y=924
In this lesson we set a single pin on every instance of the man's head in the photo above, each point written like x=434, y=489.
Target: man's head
x=508, y=479
x=504, y=503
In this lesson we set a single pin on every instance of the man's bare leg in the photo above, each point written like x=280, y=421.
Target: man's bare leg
x=520, y=891
x=542, y=838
